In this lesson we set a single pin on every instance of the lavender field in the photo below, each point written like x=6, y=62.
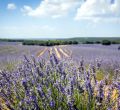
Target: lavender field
x=72, y=77
x=59, y=54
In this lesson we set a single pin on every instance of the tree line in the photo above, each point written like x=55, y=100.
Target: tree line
x=48, y=42
x=103, y=42
x=64, y=41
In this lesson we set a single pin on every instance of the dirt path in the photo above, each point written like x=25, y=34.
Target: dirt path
x=63, y=52
x=3, y=105
x=51, y=51
x=57, y=53
x=57, y=50
x=42, y=52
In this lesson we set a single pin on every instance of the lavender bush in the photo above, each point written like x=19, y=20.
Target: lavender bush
x=38, y=84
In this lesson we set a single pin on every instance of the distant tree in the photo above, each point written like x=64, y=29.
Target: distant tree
x=113, y=42
x=89, y=42
x=75, y=42
x=70, y=42
x=97, y=42
x=106, y=42
x=48, y=42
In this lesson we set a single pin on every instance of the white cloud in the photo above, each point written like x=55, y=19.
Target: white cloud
x=52, y=8
x=11, y=6
x=99, y=10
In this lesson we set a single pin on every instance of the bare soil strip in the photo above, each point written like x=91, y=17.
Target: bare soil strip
x=65, y=54
x=41, y=52
x=68, y=52
x=51, y=49
x=57, y=53
x=3, y=105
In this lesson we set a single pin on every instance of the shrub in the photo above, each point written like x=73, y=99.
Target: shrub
x=89, y=42
x=97, y=42
x=106, y=42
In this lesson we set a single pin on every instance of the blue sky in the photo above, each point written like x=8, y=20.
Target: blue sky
x=59, y=18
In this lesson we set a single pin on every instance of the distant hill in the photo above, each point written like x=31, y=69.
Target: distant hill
x=94, y=39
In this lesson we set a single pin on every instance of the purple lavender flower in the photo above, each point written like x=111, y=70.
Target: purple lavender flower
x=55, y=59
x=40, y=92
x=52, y=103
x=88, y=83
x=24, y=83
x=39, y=84
x=100, y=95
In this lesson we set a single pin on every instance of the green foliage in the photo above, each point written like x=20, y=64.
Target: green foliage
x=49, y=42
x=89, y=42
x=70, y=41
x=97, y=40
x=106, y=42
x=8, y=65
